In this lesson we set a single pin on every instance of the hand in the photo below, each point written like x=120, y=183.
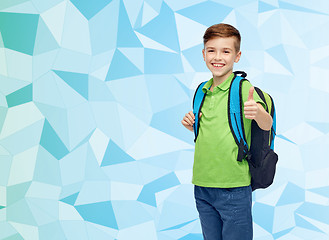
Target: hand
x=188, y=120
x=251, y=109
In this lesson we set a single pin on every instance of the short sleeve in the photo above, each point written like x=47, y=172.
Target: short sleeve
x=246, y=85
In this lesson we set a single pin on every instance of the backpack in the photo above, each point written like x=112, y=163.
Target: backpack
x=260, y=155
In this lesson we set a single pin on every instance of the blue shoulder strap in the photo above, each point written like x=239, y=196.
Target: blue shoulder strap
x=197, y=104
x=235, y=114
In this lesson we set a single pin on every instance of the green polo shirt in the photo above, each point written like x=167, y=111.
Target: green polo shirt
x=215, y=157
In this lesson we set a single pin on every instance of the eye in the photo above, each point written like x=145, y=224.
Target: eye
x=226, y=52
x=210, y=50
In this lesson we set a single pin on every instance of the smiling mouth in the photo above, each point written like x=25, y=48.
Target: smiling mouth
x=218, y=65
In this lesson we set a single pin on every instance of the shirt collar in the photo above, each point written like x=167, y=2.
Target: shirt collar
x=223, y=86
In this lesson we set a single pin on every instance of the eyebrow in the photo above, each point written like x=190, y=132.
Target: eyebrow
x=225, y=48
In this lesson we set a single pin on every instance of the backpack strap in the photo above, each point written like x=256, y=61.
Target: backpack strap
x=198, y=100
x=273, y=129
x=261, y=95
x=271, y=110
x=235, y=117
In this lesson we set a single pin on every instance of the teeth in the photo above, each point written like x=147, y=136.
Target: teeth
x=217, y=65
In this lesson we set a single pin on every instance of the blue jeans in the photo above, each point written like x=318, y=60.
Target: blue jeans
x=225, y=213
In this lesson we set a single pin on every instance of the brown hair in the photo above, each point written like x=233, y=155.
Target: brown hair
x=225, y=31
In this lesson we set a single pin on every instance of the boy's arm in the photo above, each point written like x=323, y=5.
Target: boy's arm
x=253, y=110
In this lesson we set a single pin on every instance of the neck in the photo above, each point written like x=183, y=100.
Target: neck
x=221, y=79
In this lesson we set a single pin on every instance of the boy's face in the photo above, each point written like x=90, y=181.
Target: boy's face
x=220, y=55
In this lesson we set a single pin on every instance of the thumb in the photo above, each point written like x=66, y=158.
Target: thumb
x=251, y=94
x=200, y=114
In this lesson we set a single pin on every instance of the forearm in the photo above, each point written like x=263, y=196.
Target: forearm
x=263, y=119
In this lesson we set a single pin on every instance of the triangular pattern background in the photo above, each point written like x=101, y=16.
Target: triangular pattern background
x=91, y=98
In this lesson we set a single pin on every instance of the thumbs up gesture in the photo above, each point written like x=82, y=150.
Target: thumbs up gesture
x=251, y=109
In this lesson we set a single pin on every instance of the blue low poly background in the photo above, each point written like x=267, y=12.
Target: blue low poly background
x=91, y=98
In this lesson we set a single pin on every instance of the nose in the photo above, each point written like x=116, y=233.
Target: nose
x=218, y=55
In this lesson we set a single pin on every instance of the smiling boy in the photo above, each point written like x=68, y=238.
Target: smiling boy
x=222, y=184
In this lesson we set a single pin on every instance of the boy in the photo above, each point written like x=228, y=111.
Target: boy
x=222, y=184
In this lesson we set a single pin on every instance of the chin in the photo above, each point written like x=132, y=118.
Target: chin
x=219, y=74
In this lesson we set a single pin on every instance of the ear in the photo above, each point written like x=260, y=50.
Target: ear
x=204, y=55
x=237, y=58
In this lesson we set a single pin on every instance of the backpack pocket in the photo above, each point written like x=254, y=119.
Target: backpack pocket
x=263, y=175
